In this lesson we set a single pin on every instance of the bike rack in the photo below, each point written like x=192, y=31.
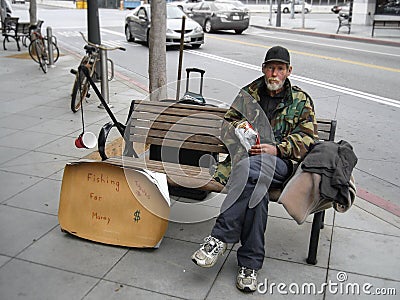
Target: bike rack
x=104, y=78
x=50, y=46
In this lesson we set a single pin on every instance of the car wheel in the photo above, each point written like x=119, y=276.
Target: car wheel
x=286, y=10
x=207, y=26
x=128, y=35
x=196, y=46
x=306, y=11
x=239, y=31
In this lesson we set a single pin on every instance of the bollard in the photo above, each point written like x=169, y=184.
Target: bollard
x=104, y=78
x=50, y=47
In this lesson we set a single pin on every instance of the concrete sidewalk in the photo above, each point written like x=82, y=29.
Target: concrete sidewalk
x=38, y=261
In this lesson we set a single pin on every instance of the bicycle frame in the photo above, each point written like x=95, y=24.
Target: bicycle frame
x=90, y=60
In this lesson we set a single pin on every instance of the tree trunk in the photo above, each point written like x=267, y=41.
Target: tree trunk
x=157, y=51
x=32, y=12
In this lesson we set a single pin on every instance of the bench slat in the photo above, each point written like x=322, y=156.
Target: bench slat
x=323, y=136
x=141, y=105
x=180, y=136
x=189, y=120
x=180, y=112
x=195, y=129
x=179, y=144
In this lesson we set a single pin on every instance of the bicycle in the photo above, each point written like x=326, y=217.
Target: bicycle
x=80, y=89
x=38, y=49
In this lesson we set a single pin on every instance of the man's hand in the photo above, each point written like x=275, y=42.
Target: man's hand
x=263, y=148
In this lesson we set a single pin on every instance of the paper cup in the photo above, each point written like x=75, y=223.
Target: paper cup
x=86, y=140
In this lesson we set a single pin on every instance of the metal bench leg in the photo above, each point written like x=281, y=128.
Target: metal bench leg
x=323, y=219
x=314, y=238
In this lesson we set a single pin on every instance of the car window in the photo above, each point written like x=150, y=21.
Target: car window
x=135, y=11
x=142, y=13
x=205, y=6
x=197, y=6
x=174, y=12
x=225, y=6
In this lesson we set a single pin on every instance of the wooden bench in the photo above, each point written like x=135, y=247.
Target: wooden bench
x=344, y=21
x=191, y=127
x=385, y=22
x=19, y=31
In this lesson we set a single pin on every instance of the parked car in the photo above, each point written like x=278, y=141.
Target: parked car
x=286, y=7
x=221, y=15
x=138, y=23
x=341, y=8
x=185, y=5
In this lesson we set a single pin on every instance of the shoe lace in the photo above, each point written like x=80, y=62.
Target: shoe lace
x=212, y=245
x=247, y=272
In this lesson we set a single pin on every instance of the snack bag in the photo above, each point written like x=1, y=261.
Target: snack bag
x=247, y=135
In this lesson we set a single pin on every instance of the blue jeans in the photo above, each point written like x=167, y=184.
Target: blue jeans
x=244, y=212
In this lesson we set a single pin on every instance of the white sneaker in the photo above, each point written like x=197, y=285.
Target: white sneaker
x=246, y=280
x=208, y=253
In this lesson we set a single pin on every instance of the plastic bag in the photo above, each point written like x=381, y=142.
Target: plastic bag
x=247, y=135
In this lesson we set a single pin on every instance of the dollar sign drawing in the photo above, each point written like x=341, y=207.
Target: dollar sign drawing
x=137, y=216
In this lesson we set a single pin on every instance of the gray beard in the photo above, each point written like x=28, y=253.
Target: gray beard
x=274, y=86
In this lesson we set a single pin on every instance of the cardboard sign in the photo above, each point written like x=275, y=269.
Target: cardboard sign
x=113, y=205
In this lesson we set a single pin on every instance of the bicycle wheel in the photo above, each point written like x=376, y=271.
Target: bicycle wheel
x=41, y=55
x=79, y=91
x=32, y=51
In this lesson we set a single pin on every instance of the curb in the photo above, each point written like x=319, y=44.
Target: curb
x=330, y=35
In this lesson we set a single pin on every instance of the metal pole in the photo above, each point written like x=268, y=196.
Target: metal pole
x=104, y=78
x=178, y=85
x=94, y=28
x=50, y=46
x=93, y=22
x=270, y=13
x=303, y=17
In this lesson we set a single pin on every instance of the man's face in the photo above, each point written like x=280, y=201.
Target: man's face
x=275, y=75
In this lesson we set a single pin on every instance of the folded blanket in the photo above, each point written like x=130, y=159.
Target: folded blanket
x=301, y=196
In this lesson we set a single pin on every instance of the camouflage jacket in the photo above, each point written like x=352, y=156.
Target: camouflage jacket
x=293, y=128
